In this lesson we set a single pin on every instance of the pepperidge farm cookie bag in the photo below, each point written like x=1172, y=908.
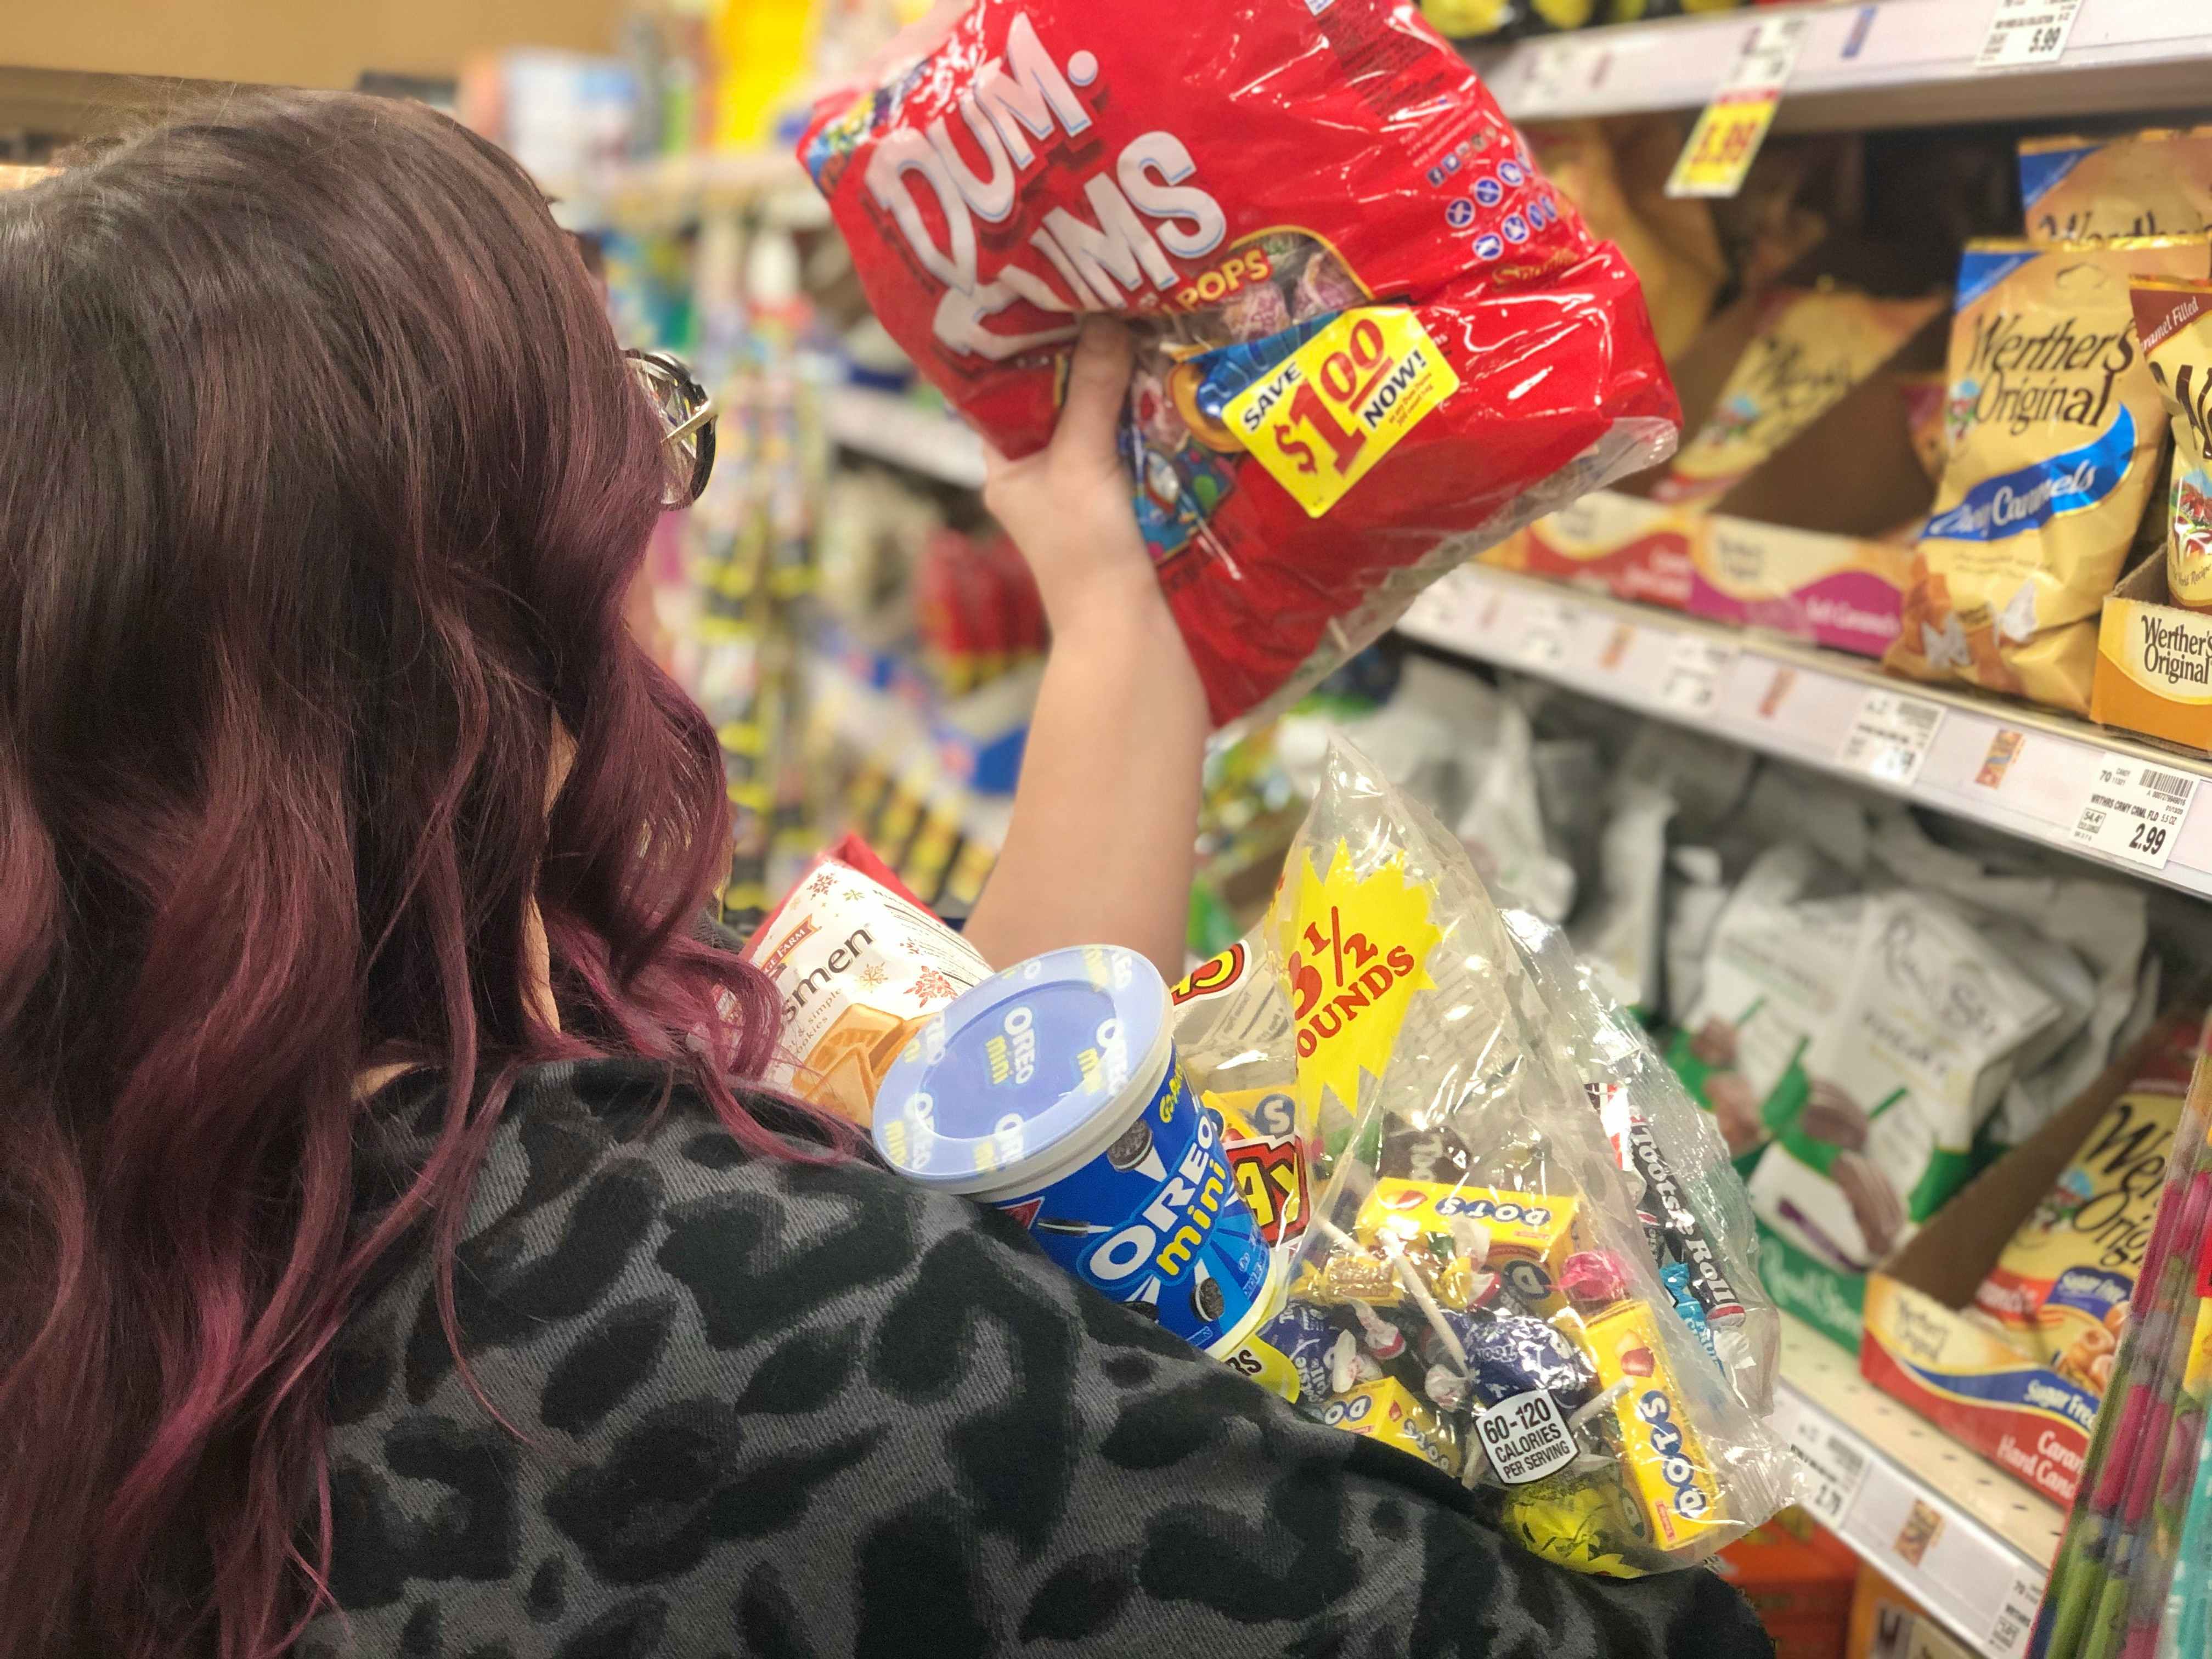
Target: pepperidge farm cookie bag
x=1374, y=339
x=2055, y=443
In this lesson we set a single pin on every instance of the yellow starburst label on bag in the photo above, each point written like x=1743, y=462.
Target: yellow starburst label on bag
x=1355, y=949
x=1325, y=415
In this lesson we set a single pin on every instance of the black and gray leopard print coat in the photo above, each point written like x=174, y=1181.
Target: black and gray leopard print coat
x=799, y=1411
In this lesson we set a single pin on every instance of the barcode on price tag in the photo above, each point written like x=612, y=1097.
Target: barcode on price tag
x=1889, y=738
x=1837, y=1465
x=2023, y=32
x=2134, y=810
x=1545, y=85
x=1545, y=626
x=1442, y=611
x=2015, y=1619
x=1770, y=54
x=1694, y=668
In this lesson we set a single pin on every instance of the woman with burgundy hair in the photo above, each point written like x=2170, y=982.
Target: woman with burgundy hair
x=395, y=1258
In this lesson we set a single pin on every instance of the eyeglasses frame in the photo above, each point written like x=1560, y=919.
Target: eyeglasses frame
x=701, y=422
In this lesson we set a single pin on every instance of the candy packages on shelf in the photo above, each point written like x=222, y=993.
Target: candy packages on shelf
x=2138, y=184
x=1526, y=1260
x=1813, y=346
x=1373, y=339
x=2056, y=443
x=2174, y=321
x=2062, y=1287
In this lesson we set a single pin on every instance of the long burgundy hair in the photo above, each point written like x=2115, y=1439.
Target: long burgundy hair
x=321, y=484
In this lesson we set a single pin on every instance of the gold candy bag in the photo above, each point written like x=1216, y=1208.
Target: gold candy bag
x=2174, y=321
x=2056, y=436
x=2141, y=184
x=1812, y=347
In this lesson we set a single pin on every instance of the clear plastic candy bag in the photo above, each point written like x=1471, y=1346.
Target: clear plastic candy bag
x=1528, y=1261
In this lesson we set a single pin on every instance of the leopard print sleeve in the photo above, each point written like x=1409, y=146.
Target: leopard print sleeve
x=764, y=1408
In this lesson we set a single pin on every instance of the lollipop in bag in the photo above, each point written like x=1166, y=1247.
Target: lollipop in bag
x=1521, y=1264
x=1373, y=338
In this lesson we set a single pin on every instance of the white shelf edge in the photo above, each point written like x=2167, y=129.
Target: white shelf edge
x=1890, y=63
x=1629, y=654
x=890, y=429
x=1977, y=1544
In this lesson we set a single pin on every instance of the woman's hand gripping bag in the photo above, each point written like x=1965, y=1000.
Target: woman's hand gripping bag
x=1526, y=1264
x=1373, y=338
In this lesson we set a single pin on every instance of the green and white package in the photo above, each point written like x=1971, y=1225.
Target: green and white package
x=1898, y=1080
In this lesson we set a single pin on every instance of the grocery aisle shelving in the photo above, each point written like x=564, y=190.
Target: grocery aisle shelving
x=670, y=189
x=893, y=428
x=1834, y=713
x=1970, y=1543
x=894, y=734
x=1891, y=63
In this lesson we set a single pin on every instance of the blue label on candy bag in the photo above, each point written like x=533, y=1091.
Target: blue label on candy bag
x=2092, y=1292
x=1157, y=1221
x=2040, y=169
x=2030, y=497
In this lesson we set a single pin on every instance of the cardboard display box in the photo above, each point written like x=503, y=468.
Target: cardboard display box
x=1618, y=543
x=1815, y=544
x=1812, y=544
x=1887, y=1624
x=2153, y=672
x=2024, y=1417
x=1843, y=592
x=1822, y=588
x=1799, y=1578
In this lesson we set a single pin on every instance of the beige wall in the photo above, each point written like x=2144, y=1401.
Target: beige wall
x=317, y=43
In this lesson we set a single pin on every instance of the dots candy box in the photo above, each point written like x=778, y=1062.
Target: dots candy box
x=1368, y=325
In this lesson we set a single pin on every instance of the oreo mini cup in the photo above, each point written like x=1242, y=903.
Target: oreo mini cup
x=1051, y=1091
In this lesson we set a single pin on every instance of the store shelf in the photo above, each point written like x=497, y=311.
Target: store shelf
x=909, y=434
x=1968, y=1542
x=1896, y=62
x=1811, y=706
x=927, y=750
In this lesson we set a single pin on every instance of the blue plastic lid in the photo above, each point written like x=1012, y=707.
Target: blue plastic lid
x=1018, y=1077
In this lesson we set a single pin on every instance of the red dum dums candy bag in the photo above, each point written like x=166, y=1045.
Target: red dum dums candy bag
x=1374, y=339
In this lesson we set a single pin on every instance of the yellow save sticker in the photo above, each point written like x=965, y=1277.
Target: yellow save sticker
x=1722, y=145
x=1340, y=403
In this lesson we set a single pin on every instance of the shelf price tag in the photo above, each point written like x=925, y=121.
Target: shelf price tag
x=2134, y=811
x=2015, y=1619
x=1340, y=403
x=1725, y=141
x=1837, y=1463
x=1889, y=738
x=1454, y=610
x=1695, y=667
x=1543, y=631
x=2026, y=32
x=1437, y=611
x=1544, y=87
